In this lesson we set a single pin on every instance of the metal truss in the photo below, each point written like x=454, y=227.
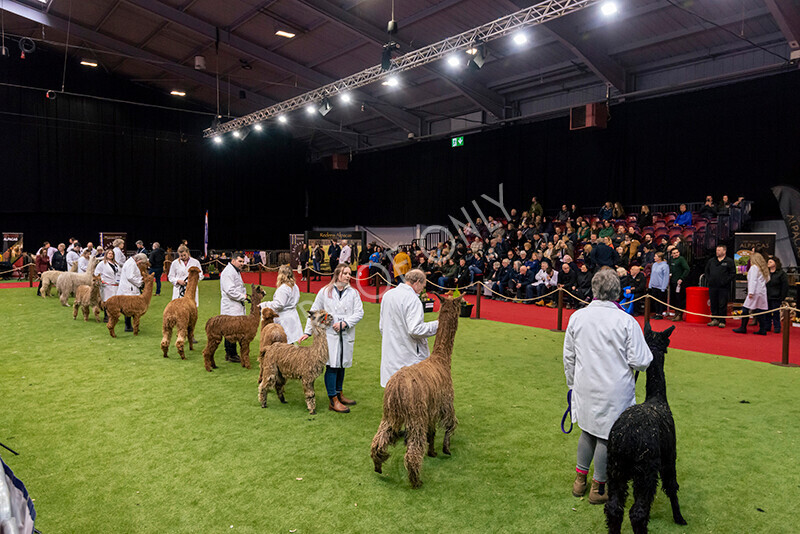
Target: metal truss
x=531, y=16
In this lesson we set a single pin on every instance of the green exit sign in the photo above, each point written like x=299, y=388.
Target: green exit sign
x=457, y=141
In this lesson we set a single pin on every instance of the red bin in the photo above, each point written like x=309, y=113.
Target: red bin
x=362, y=279
x=697, y=302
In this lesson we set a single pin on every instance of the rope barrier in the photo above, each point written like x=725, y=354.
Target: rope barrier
x=514, y=299
x=723, y=316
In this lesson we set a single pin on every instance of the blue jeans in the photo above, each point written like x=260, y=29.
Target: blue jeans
x=157, y=273
x=334, y=377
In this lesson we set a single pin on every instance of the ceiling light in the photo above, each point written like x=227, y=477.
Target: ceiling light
x=478, y=58
x=286, y=34
x=472, y=51
x=346, y=98
x=391, y=81
x=325, y=107
x=218, y=139
x=257, y=127
x=282, y=119
x=310, y=109
x=177, y=93
x=237, y=134
x=454, y=60
x=520, y=38
x=608, y=9
x=88, y=63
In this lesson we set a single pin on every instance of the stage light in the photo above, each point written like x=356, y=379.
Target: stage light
x=325, y=107
x=386, y=55
x=391, y=81
x=257, y=127
x=88, y=63
x=520, y=39
x=454, y=60
x=282, y=119
x=345, y=98
x=472, y=51
x=310, y=109
x=609, y=8
x=478, y=57
x=175, y=92
x=286, y=34
x=218, y=139
x=237, y=134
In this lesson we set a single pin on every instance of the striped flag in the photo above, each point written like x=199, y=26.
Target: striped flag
x=205, y=238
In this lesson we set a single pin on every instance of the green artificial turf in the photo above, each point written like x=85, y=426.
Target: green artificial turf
x=115, y=438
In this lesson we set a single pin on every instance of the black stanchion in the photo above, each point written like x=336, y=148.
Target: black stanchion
x=479, y=290
x=308, y=282
x=646, y=308
x=560, y=311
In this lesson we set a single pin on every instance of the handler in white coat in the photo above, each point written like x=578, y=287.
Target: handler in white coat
x=109, y=273
x=130, y=280
x=284, y=303
x=233, y=297
x=602, y=347
x=119, y=251
x=756, y=301
x=179, y=274
x=343, y=302
x=403, y=328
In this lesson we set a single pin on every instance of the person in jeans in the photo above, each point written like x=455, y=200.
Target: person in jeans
x=659, y=283
x=720, y=272
x=777, y=290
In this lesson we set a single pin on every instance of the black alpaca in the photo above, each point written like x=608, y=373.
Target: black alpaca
x=641, y=446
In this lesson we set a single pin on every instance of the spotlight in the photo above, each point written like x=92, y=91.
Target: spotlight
x=472, y=51
x=346, y=98
x=520, y=39
x=175, y=92
x=217, y=139
x=391, y=81
x=325, y=107
x=608, y=9
x=454, y=60
x=310, y=109
x=478, y=57
x=237, y=134
x=88, y=63
x=257, y=127
x=286, y=34
x=282, y=119
x=386, y=56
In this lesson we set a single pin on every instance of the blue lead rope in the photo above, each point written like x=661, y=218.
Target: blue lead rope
x=567, y=414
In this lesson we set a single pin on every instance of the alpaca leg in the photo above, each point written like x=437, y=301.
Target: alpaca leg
x=97, y=313
x=190, y=334
x=180, y=342
x=166, y=339
x=85, y=312
x=212, y=342
x=280, y=382
x=431, y=439
x=136, y=325
x=449, y=422
x=413, y=460
x=644, y=491
x=615, y=506
x=380, y=446
x=669, y=483
x=112, y=321
x=308, y=389
x=63, y=297
x=75, y=311
x=267, y=383
x=245, y=353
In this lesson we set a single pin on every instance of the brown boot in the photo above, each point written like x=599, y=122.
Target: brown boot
x=344, y=400
x=678, y=317
x=579, y=486
x=598, y=493
x=336, y=406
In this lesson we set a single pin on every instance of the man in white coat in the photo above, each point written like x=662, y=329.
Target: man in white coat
x=602, y=347
x=403, y=328
x=233, y=297
x=130, y=281
x=346, y=253
x=73, y=255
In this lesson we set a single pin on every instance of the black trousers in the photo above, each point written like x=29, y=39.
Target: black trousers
x=660, y=294
x=718, y=298
x=677, y=299
x=230, y=348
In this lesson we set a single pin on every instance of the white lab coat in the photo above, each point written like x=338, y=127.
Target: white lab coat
x=180, y=271
x=72, y=257
x=347, y=308
x=344, y=255
x=404, y=331
x=130, y=279
x=284, y=303
x=757, y=287
x=83, y=264
x=119, y=256
x=109, y=279
x=602, y=348
x=233, y=292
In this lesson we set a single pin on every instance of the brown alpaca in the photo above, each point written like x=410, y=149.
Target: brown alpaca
x=236, y=329
x=49, y=279
x=86, y=297
x=270, y=333
x=280, y=361
x=420, y=396
x=133, y=306
x=181, y=313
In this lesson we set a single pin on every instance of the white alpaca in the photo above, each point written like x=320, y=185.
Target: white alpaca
x=68, y=283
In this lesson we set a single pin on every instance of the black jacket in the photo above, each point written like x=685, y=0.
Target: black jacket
x=59, y=261
x=778, y=286
x=157, y=258
x=603, y=255
x=720, y=274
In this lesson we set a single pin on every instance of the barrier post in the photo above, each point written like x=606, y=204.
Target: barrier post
x=377, y=288
x=259, y=274
x=646, y=307
x=785, y=326
x=308, y=279
x=31, y=271
x=560, y=311
x=478, y=300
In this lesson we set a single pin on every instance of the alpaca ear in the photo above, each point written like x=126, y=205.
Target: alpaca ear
x=647, y=329
x=668, y=331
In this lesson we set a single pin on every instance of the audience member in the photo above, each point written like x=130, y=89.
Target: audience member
x=756, y=301
x=777, y=291
x=678, y=271
x=684, y=216
x=720, y=271
x=709, y=209
x=645, y=218
x=659, y=283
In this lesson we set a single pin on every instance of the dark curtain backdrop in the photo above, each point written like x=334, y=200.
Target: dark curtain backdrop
x=76, y=166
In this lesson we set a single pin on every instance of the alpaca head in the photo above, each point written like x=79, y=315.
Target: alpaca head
x=268, y=315
x=193, y=270
x=320, y=318
x=449, y=304
x=657, y=341
x=97, y=281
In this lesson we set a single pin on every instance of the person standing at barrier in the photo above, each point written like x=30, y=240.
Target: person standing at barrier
x=343, y=302
x=756, y=301
x=42, y=262
x=659, y=284
x=720, y=272
x=157, y=257
x=678, y=271
x=317, y=255
x=284, y=303
x=603, y=345
x=345, y=255
x=404, y=332
x=777, y=290
x=233, y=295
x=302, y=259
x=333, y=254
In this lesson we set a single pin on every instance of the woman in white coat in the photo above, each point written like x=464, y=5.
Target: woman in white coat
x=179, y=274
x=339, y=299
x=109, y=273
x=130, y=280
x=284, y=303
x=756, y=301
x=602, y=347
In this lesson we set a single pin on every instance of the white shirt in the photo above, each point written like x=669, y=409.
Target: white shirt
x=179, y=270
x=404, y=331
x=344, y=255
x=83, y=264
x=284, y=303
x=757, y=287
x=130, y=278
x=233, y=292
x=602, y=347
x=119, y=256
x=347, y=308
x=72, y=257
x=109, y=278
